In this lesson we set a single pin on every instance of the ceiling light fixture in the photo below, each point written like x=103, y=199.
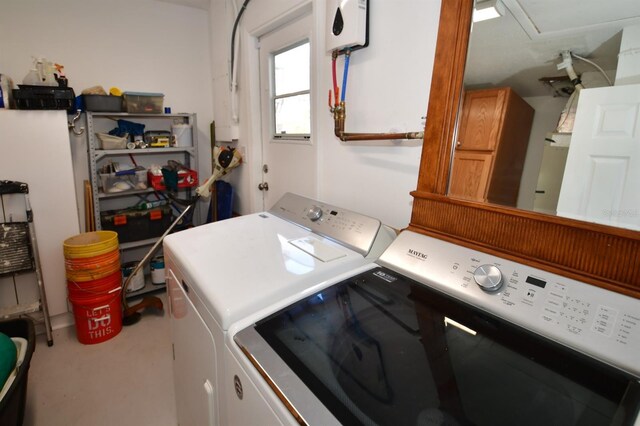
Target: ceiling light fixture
x=488, y=9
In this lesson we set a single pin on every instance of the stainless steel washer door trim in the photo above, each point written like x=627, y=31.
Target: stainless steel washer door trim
x=303, y=405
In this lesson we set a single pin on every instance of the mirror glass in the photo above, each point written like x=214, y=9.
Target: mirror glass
x=550, y=112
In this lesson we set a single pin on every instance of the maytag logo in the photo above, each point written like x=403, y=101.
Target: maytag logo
x=387, y=277
x=416, y=254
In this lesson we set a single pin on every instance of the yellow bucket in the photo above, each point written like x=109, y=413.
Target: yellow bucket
x=90, y=244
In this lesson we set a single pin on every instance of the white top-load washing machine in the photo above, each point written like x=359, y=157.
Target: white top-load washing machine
x=438, y=334
x=220, y=273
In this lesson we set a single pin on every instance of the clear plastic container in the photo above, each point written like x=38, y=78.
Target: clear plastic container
x=112, y=182
x=143, y=103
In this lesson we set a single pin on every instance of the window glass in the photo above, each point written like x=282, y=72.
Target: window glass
x=293, y=115
x=291, y=69
x=291, y=99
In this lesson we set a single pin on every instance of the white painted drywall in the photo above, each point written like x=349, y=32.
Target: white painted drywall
x=388, y=90
x=547, y=111
x=629, y=57
x=35, y=150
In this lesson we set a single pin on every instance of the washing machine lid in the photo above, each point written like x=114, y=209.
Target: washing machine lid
x=241, y=265
x=381, y=348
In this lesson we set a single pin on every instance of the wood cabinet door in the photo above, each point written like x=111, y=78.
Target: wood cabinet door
x=481, y=119
x=470, y=175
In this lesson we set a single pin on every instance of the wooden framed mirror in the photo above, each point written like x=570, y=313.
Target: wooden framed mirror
x=601, y=255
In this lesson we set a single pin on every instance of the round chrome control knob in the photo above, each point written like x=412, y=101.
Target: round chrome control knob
x=488, y=277
x=314, y=213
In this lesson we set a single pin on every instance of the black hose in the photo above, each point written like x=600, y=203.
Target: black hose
x=233, y=33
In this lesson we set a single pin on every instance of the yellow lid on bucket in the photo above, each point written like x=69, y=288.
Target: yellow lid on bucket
x=90, y=244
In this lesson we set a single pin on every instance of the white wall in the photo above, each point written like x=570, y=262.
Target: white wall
x=136, y=45
x=629, y=57
x=388, y=89
x=547, y=111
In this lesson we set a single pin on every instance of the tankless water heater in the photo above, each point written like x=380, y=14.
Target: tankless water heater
x=347, y=21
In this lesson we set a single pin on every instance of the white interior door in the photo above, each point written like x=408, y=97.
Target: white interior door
x=601, y=181
x=289, y=157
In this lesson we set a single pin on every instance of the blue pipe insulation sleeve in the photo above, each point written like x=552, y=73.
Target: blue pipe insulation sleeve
x=344, y=77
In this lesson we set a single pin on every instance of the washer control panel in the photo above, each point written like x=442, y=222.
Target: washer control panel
x=354, y=230
x=595, y=321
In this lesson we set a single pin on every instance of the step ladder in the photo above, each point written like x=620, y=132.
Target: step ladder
x=19, y=254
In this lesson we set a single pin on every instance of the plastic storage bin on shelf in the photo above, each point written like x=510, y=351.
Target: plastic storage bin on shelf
x=124, y=181
x=102, y=103
x=186, y=179
x=143, y=103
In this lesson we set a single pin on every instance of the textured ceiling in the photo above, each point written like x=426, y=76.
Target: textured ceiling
x=524, y=44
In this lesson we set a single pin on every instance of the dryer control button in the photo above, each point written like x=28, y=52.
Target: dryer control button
x=314, y=213
x=488, y=277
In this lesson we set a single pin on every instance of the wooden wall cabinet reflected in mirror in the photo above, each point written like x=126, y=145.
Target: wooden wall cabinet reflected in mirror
x=492, y=139
x=602, y=255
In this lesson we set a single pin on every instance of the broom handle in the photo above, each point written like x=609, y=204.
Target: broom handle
x=153, y=250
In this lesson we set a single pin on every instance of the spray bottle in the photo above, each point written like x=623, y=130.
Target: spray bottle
x=41, y=74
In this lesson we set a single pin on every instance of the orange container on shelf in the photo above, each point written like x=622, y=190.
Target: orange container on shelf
x=186, y=179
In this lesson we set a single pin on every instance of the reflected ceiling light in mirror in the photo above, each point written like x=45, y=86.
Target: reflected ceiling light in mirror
x=488, y=9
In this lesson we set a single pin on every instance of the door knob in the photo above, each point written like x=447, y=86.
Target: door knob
x=263, y=186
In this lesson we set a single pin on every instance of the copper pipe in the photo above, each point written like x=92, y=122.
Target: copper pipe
x=339, y=116
x=379, y=136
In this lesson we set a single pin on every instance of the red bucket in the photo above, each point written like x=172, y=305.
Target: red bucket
x=98, y=318
x=90, y=289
